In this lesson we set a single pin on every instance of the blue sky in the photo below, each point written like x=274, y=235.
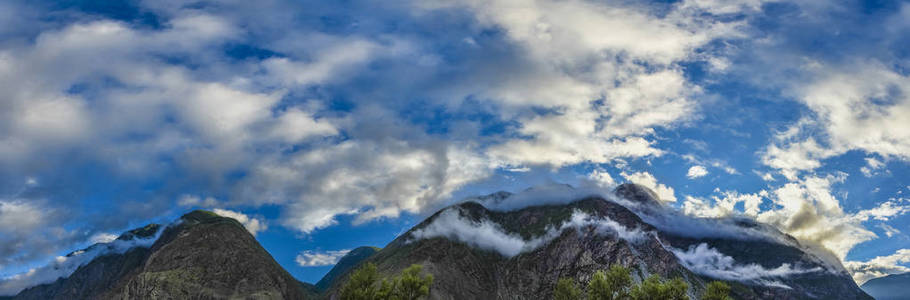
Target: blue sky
x=327, y=125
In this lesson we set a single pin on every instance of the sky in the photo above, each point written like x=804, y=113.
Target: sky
x=328, y=125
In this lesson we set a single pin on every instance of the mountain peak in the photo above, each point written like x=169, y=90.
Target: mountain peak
x=637, y=193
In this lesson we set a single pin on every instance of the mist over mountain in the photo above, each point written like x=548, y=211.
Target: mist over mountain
x=499, y=246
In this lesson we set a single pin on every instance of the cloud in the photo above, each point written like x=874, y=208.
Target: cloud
x=810, y=212
x=487, y=235
x=696, y=172
x=703, y=259
x=192, y=200
x=253, y=225
x=310, y=258
x=889, y=231
x=879, y=266
x=861, y=109
x=665, y=193
x=725, y=205
x=63, y=266
x=872, y=165
x=103, y=237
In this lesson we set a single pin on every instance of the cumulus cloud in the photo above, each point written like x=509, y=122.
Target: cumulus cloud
x=708, y=261
x=665, y=193
x=809, y=211
x=724, y=204
x=879, y=266
x=253, y=225
x=861, y=109
x=487, y=235
x=63, y=266
x=310, y=258
x=696, y=172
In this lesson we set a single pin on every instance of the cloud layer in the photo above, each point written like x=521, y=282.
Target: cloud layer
x=488, y=235
x=708, y=261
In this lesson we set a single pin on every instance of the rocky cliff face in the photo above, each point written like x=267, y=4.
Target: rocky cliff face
x=202, y=256
x=477, y=253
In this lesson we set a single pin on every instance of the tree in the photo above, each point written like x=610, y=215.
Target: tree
x=566, y=290
x=655, y=288
x=611, y=285
x=411, y=285
x=362, y=284
x=717, y=290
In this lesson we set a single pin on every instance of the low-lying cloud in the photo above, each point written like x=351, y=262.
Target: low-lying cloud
x=703, y=259
x=488, y=235
x=63, y=266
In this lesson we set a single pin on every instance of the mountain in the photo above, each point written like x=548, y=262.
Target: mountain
x=489, y=248
x=345, y=264
x=891, y=287
x=500, y=246
x=201, y=256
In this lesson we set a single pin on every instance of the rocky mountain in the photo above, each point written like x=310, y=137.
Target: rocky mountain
x=201, y=256
x=500, y=246
x=487, y=248
x=891, y=287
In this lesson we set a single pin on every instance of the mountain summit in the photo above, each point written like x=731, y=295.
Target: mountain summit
x=201, y=256
x=500, y=246
x=506, y=252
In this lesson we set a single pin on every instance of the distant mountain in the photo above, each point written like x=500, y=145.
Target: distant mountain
x=345, y=264
x=475, y=252
x=202, y=256
x=891, y=287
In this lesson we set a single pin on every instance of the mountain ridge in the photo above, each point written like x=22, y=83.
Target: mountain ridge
x=474, y=252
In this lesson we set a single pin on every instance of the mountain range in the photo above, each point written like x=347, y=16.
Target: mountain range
x=499, y=246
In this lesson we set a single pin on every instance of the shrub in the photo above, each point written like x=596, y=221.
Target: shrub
x=566, y=290
x=717, y=290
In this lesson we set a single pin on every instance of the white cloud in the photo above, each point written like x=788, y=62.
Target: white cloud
x=103, y=237
x=879, y=266
x=708, y=261
x=490, y=236
x=602, y=178
x=856, y=107
x=872, y=165
x=310, y=258
x=193, y=200
x=889, y=231
x=725, y=205
x=809, y=211
x=63, y=266
x=665, y=193
x=253, y=225
x=696, y=172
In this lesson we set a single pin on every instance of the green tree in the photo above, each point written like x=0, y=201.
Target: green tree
x=566, y=289
x=411, y=285
x=611, y=285
x=655, y=288
x=362, y=284
x=717, y=290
